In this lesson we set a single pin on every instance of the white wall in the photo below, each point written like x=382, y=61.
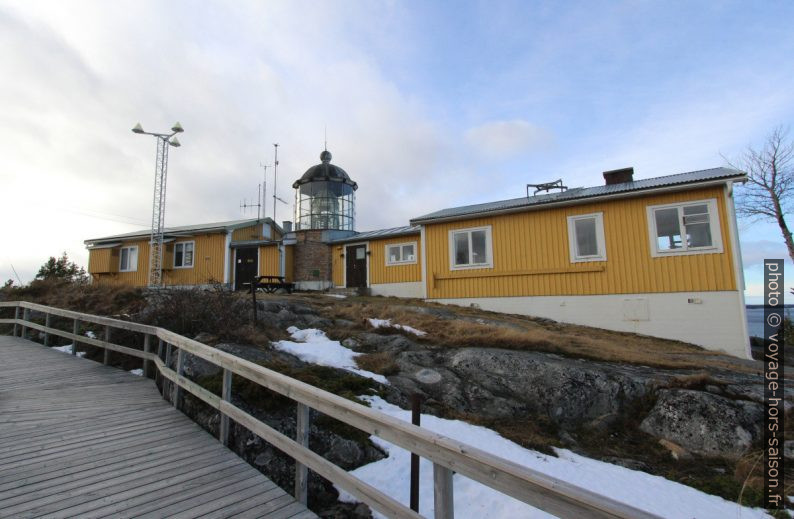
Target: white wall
x=413, y=289
x=714, y=320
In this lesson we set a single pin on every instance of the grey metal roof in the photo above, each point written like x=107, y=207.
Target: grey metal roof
x=325, y=171
x=380, y=233
x=186, y=229
x=584, y=193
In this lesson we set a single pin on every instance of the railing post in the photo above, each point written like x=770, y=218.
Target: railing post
x=146, y=347
x=226, y=395
x=301, y=470
x=106, y=356
x=166, y=382
x=442, y=492
x=16, y=318
x=47, y=325
x=25, y=317
x=75, y=331
x=180, y=369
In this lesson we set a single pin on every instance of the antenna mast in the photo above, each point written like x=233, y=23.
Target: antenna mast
x=275, y=175
x=264, y=188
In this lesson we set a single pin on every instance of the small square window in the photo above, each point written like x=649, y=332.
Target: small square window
x=183, y=254
x=401, y=253
x=128, y=259
x=470, y=248
x=688, y=228
x=586, y=238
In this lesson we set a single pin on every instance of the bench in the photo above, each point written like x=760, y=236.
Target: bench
x=270, y=284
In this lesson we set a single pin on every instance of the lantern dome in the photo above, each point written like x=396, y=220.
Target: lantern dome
x=325, y=197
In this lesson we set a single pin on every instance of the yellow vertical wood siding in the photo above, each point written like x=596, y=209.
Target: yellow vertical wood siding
x=269, y=260
x=208, y=262
x=531, y=256
x=338, y=265
x=254, y=232
x=101, y=261
x=379, y=272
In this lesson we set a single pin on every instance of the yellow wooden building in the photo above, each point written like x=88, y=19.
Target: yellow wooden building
x=227, y=253
x=655, y=256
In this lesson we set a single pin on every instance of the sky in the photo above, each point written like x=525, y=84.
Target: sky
x=425, y=104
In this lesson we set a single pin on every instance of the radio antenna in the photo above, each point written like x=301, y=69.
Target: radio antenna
x=264, y=188
x=275, y=175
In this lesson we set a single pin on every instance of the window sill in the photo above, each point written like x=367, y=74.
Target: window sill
x=398, y=263
x=692, y=252
x=471, y=267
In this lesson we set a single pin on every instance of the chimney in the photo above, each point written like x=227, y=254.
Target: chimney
x=619, y=176
x=287, y=226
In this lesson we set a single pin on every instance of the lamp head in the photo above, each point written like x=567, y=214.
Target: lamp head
x=174, y=142
x=137, y=128
x=177, y=128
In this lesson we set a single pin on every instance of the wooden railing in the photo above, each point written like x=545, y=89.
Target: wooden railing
x=447, y=455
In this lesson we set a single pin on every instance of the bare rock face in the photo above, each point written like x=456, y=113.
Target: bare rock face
x=705, y=423
x=508, y=384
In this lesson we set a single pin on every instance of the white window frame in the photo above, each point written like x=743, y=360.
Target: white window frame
x=193, y=262
x=600, y=240
x=390, y=263
x=130, y=268
x=488, y=248
x=714, y=224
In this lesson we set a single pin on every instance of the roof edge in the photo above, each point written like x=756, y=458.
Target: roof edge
x=579, y=201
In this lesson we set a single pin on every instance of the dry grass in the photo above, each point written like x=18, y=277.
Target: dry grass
x=461, y=329
x=382, y=363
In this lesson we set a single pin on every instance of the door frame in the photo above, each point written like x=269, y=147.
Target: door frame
x=234, y=262
x=366, y=255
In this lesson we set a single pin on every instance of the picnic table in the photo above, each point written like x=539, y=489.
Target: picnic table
x=270, y=284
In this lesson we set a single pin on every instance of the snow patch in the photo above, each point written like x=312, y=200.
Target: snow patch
x=380, y=323
x=68, y=349
x=138, y=372
x=336, y=296
x=90, y=334
x=314, y=346
x=474, y=500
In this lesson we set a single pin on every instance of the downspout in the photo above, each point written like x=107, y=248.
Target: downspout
x=226, y=258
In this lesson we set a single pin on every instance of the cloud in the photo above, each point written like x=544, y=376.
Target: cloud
x=755, y=252
x=506, y=138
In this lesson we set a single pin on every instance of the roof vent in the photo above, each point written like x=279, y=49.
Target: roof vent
x=547, y=186
x=619, y=176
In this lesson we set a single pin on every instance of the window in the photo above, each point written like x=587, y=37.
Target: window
x=183, y=254
x=401, y=253
x=470, y=248
x=690, y=228
x=586, y=238
x=128, y=259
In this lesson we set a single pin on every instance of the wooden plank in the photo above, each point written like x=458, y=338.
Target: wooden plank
x=214, y=485
x=226, y=394
x=147, y=364
x=117, y=323
x=106, y=354
x=103, y=443
x=359, y=489
x=302, y=439
x=442, y=492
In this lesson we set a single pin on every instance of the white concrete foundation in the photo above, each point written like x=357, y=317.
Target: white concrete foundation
x=713, y=320
x=397, y=289
x=313, y=285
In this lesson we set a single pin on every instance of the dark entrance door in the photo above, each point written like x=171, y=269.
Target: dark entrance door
x=356, y=259
x=245, y=267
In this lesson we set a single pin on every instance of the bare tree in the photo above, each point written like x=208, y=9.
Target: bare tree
x=769, y=192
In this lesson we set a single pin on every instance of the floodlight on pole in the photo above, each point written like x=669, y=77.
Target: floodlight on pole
x=164, y=141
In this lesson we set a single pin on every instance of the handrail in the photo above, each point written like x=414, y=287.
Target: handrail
x=539, y=490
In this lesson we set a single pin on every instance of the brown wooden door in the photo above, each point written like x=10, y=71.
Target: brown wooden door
x=356, y=260
x=245, y=267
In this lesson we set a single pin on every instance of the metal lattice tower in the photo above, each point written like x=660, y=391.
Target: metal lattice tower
x=164, y=140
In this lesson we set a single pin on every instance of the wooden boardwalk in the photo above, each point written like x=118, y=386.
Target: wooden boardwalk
x=79, y=439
